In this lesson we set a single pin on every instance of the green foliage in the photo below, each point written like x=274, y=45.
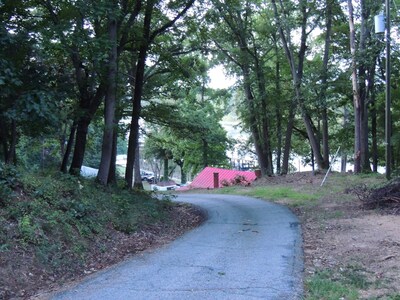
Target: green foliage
x=8, y=183
x=54, y=211
x=335, y=284
x=321, y=286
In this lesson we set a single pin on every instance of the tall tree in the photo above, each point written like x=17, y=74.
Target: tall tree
x=150, y=31
x=297, y=65
x=103, y=175
x=363, y=56
x=237, y=41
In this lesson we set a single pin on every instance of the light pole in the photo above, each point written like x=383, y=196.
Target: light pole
x=380, y=28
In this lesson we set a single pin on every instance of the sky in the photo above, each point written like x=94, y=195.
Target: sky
x=218, y=78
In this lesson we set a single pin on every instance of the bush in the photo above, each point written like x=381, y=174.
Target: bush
x=8, y=183
x=58, y=215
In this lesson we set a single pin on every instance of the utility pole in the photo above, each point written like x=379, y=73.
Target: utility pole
x=380, y=28
x=388, y=121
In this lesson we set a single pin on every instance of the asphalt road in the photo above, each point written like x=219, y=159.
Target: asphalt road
x=247, y=249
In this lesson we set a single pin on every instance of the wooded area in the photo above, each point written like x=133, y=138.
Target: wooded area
x=82, y=81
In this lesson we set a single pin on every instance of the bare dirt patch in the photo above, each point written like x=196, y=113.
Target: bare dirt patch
x=340, y=232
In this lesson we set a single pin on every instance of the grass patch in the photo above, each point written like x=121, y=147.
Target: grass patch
x=322, y=286
x=338, y=284
x=275, y=193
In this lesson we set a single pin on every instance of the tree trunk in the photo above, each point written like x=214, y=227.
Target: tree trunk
x=362, y=71
x=278, y=115
x=89, y=102
x=109, y=107
x=112, y=175
x=68, y=150
x=343, y=164
x=166, y=167
x=374, y=134
x=183, y=173
x=80, y=146
x=356, y=93
x=288, y=138
x=147, y=38
x=345, y=128
x=261, y=157
x=137, y=184
x=137, y=95
x=205, y=153
x=324, y=86
x=297, y=74
x=266, y=139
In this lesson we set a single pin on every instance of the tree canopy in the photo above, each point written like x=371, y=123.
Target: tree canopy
x=83, y=78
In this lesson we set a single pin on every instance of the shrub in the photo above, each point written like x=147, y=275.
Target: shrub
x=8, y=183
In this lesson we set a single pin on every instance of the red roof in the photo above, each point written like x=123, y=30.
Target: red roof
x=205, y=179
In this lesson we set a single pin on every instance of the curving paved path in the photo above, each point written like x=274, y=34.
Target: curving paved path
x=247, y=249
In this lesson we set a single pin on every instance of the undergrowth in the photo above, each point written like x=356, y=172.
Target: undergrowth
x=46, y=213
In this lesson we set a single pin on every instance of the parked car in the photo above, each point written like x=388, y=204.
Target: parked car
x=147, y=176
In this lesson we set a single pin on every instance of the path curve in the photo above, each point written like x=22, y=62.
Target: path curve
x=247, y=249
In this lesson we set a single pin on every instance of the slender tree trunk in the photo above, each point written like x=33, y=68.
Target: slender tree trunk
x=148, y=37
x=343, y=164
x=110, y=106
x=68, y=150
x=89, y=102
x=137, y=95
x=288, y=138
x=80, y=146
x=266, y=139
x=112, y=175
x=262, y=158
x=297, y=74
x=324, y=86
x=374, y=134
x=345, y=128
x=183, y=173
x=166, y=167
x=137, y=184
x=356, y=93
x=363, y=88
x=205, y=153
x=278, y=116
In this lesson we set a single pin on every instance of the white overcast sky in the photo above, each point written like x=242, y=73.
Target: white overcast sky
x=218, y=78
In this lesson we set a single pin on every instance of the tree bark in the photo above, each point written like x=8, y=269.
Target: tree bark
x=180, y=163
x=324, y=86
x=137, y=95
x=80, y=146
x=137, y=183
x=109, y=106
x=356, y=93
x=148, y=37
x=266, y=139
x=68, y=150
x=278, y=116
x=363, y=89
x=205, y=153
x=166, y=167
x=288, y=138
x=112, y=176
x=297, y=74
